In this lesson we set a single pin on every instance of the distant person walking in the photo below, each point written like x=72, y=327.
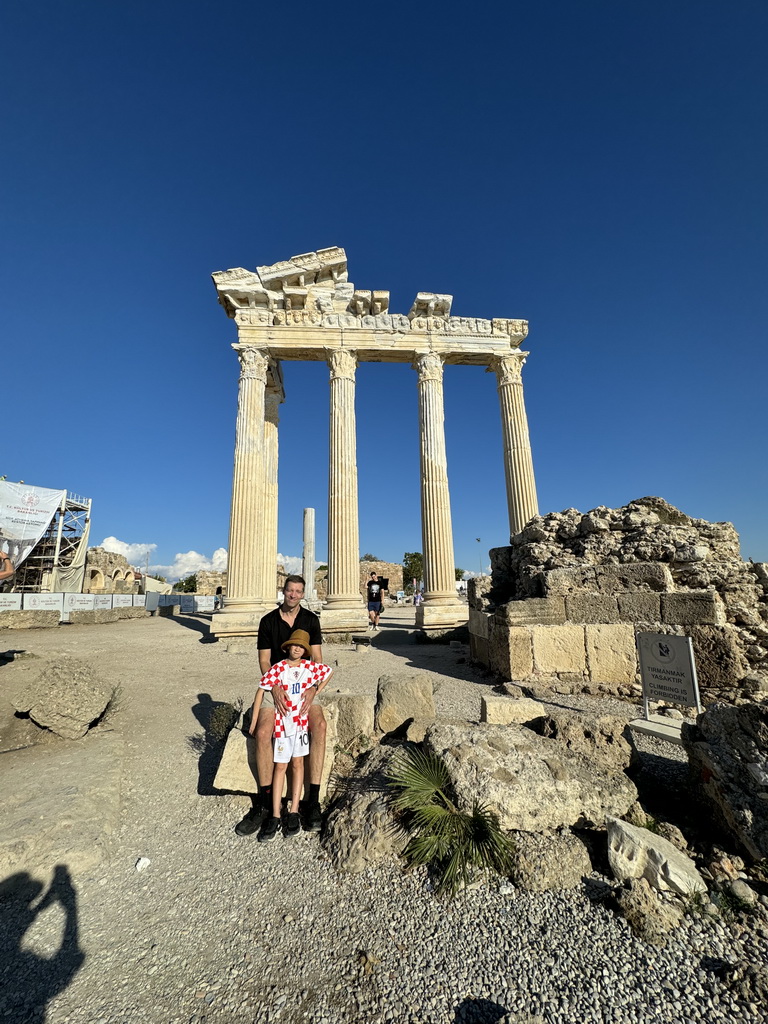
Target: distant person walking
x=418, y=598
x=375, y=604
x=218, y=600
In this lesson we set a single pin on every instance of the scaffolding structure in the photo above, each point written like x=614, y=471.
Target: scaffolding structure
x=56, y=548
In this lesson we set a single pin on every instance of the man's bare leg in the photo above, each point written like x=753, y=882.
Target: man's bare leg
x=317, y=734
x=262, y=802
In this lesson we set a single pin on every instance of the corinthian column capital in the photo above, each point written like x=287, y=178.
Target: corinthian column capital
x=429, y=366
x=254, y=362
x=342, y=362
x=509, y=368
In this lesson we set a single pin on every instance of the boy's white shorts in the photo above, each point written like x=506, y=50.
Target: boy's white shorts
x=286, y=747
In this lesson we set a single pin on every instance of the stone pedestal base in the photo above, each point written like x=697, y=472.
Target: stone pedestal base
x=238, y=621
x=441, y=616
x=343, y=620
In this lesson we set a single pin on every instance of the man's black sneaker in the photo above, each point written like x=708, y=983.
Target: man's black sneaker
x=252, y=821
x=269, y=830
x=313, y=816
x=292, y=826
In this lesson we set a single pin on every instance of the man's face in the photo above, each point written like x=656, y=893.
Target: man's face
x=293, y=594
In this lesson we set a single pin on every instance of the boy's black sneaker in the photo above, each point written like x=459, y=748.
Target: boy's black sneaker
x=313, y=816
x=269, y=830
x=252, y=821
x=292, y=826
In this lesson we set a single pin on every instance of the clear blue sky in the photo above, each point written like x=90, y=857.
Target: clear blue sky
x=598, y=168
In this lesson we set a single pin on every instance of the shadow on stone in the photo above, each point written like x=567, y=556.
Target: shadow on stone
x=31, y=981
x=216, y=718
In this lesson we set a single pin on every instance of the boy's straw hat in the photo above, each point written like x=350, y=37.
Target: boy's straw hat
x=300, y=637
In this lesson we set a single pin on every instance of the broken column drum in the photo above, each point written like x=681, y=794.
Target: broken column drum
x=305, y=308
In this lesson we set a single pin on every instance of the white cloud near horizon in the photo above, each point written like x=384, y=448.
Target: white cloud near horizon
x=135, y=553
x=184, y=563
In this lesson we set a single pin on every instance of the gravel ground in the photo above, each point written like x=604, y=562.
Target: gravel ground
x=219, y=929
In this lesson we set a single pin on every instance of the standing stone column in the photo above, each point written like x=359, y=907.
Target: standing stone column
x=246, y=572
x=441, y=607
x=518, y=461
x=308, y=559
x=273, y=397
x=343, y=609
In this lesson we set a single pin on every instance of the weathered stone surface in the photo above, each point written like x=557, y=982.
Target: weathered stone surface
x=402, y=698
x=478, y=623
x=639, y=607
x=557, y=860
x=558, y=649
x=649, y=918
x=59, y=804
x=611, y=653
x=507, y=711
x=721, y=662
x=534, y=611
x=237, y=769
x=63, y=696
x=360, y=831
x=510, y=650
x=728, y=753
x=29, y=618
x=604, y=739
x=512, y=689
x=637, y=853
x=592, y=608
x=98, y=616
x=355, y=719
x=533, y=784
x=700, y=608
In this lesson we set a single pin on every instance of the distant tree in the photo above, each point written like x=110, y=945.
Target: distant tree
x=368, y=557
x=187, y=585
x=156, y=576
x=459, y=573
x=413, y=569
x=322, y=568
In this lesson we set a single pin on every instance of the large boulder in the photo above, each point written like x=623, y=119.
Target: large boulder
x=508, y=711
x=532, y=783
x=728, y=754
x=404, y=703
x=64, y=696
x=635, y=852
x=557, y=860
x=604, y=738
x=649, y=918
x=360, y=831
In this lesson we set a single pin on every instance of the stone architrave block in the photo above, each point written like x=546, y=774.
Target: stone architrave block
x=635, y=852
x=619, y=579
x=535, y=611
x=641, y=606
x=29, y=618
x=693, y=607
x=558, y=649
x=568, y=580
x=611, y=653
x=402, y=698
x=354, y=718
x=531, y=783
x=478, y=623
x=508, y=711
x=509, y=650
x=592, y=608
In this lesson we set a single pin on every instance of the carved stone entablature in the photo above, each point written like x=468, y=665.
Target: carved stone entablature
x=366, y=303
x=434, y=324
x=386, y=322
x=308, y=268
x=467, y=325
x=431, y=304
x=289, y=317
x=258, y=317
x=516, y=330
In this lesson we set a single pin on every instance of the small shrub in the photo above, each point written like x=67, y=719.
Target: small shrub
x=223, y=717
x=452, y=843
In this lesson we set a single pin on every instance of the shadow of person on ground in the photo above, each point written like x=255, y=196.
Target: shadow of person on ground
x=30, y=981
x=216, y=718
x=478, y=1011
x=193, y=622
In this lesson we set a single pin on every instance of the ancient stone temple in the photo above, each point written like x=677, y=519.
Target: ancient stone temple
x=306, y=308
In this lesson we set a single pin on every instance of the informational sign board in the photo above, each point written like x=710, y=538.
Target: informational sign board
x=168, y=599
x=204, y=603
x=122, y=600
x=139, y=600
x=101, y=602
x=668, y=669
x=152, y=600
x=10, y=602
x=187, y=604
x=78, y=603
x=44, y=602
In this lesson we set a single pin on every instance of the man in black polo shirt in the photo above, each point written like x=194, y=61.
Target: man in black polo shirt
x=274, y=629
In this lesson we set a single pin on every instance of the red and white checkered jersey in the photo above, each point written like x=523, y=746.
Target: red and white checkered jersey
x=295, y=680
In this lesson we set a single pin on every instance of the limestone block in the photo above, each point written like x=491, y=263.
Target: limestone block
x=635, y=852
x=404, y=698
x=510, y=654
x=96, y=617
x=478, y=589
x=533, y=611
x=478, y=623
x=168, y=610
x=644, y=912
x=29, y=618
x=592, y=608
x=533, y=784
x=568, y=579
x=719, y=654
x=619, y=579
x=555, y=861
x=611, y=653
x=508, y=711
x=641, y=606
x=65, y=697
x=237, y=769
x=355, y=719
x=604, y=739
x=693, y=607
x=558, y=649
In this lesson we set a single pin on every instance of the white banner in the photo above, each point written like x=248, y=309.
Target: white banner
x=77, y=603
x=44, y=602
x=10, y=602
x=122, y=600
x=25, y=514
x=101, y=602
x=139, y=600
x=204, y=603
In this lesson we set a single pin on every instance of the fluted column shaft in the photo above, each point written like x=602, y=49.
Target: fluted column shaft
x=273, y=397
x=246, y=571
x=518, y=461
x=308, y=559
x=436, y=531
x=343, y=528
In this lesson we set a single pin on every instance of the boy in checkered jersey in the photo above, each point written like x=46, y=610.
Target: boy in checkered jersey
x=296, y=674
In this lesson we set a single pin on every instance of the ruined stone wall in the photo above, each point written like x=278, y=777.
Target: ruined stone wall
x=108, y=573
x=393, y=571
x=206, y=581
x=566, y=597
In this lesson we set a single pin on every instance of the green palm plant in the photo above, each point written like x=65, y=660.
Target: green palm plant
x=452, y=843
